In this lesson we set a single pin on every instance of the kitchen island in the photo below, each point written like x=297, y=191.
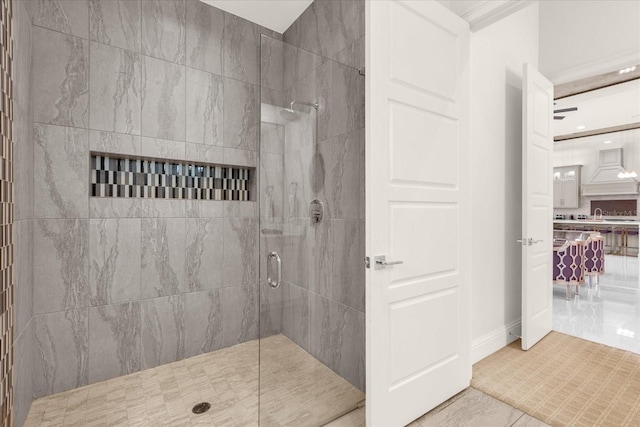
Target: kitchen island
x=621, y=236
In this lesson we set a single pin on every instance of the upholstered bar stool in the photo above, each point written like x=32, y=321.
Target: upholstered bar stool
x=618, y=240
x=632, y=232
x=605, y=232
x=594, y=258
x=568, y=263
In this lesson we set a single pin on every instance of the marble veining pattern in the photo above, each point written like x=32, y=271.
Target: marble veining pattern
x=60, y=171
x=65, y=16
x=241, y=49
x=114, y=341
x=163, y=330
x=163, y=257
x=114, y=269
x=204, y=111
x=163, y=100
x=62, y=355
x=204, y=253
x=164, y=29
x=60, y=78
x=241, y=115
x=115, y=23
x=203, y=322
x=205, y=28
x=61, y=248
x=115, y=89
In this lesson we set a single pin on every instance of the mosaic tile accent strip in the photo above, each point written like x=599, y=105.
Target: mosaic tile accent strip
x=116, y=176
x=6, y=214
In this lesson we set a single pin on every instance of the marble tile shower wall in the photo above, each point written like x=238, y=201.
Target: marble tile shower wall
x=324, y=290
x=127, y=284
x=23, y=345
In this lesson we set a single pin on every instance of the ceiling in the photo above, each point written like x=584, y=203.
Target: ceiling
x=277, y=15
x=610, y=106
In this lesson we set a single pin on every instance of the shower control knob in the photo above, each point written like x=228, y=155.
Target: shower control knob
x=316, y=211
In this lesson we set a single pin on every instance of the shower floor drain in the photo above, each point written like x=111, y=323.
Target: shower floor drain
x=201, y=408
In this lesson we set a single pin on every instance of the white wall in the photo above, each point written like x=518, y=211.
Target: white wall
x=497, y=54
x=581, y=38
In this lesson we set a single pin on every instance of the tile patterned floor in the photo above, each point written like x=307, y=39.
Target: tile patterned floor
x=468, y=408
x=297, y=390
x=608, y=314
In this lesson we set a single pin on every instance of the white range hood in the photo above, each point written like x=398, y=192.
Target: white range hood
x=605, y=182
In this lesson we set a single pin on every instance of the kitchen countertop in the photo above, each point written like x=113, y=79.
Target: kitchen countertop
x=591, y=222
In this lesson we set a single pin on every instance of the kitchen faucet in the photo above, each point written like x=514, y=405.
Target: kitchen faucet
x=595, y=213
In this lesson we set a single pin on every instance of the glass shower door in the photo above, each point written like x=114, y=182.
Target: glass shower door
x=302, y=330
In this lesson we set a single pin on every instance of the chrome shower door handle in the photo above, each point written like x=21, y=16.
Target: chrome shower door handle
x=274, y=283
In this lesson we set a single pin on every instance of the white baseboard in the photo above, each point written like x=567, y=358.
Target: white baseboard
x=493, y=341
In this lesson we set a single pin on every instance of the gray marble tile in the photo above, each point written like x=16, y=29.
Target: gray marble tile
x=241, y=115
x=299, y=64
x=474, y=408
x=312, y=30
x=295, y=315
x=322, y=258
x=233, y=209
x=203, y=322
x=298, y=241
x=528, y=421
x=60, y=78
x=115, y=89
x=240, y=252
x=114, y=340
x=60, y=276
x=23, y=43
x=109, y=142
x=110, y=207
x=204, y=153
x=271, y=309
x=272, y=138
x=241, y=322
x=237, y=157
x=162, y=148
x=163, y=257
x=62, y=350
x=23, y=148
x=205, y=99
x=23, y=369
x=347, y=24
x=204, y=254
x=164, y=29
x=163, y=208
x=65, y=16
x=114, y=260
x=348, y=278
x=272, y=63
x=61, y=172
x=163, y=330
x=241, y=49
x=205, y=27
x=298, y=173
x=204, y=209
x=163, y=99
x=342, y=89
x=337, y=338
x=23, y=274
x=116, y=23
x=339, y=177
x=271, y=191
x=353, y=55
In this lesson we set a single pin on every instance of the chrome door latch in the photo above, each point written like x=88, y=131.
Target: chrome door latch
x=381, y=262
x=528, y=241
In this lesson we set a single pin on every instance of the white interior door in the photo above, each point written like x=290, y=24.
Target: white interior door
x=418, y=208
x=537, y=206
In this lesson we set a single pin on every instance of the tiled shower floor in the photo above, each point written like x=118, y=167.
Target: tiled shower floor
x=297, y=390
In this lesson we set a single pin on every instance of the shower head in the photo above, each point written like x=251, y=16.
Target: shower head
x=291, y=115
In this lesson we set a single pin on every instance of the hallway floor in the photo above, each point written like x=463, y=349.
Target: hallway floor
x=296, y=390
x=608, y=314
x=468, y=408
